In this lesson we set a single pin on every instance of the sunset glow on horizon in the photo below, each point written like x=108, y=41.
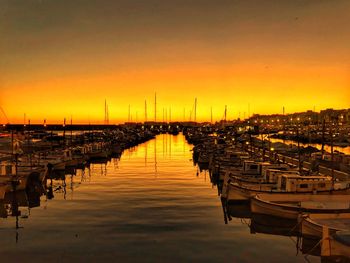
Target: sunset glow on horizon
x=63, y=59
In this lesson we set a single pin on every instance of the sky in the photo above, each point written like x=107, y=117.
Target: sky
x=63, y=58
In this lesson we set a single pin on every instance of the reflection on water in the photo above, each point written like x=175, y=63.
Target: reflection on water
x=308, y=247
x=151, y=205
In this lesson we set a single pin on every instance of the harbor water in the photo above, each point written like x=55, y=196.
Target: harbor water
x=151, y=205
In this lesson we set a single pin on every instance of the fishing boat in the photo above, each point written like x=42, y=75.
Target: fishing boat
x=75, y=157
x=292, y=206
x=288, y=185
x=255, y=172
x=312, y=225
x=18, y=176
x=97, y=151
x=256, y=176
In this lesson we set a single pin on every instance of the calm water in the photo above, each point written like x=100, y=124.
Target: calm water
x=149, y=206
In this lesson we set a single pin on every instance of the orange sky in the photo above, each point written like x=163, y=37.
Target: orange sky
x=62, y=59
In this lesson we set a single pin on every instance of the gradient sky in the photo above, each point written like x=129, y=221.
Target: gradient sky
x=64, y=58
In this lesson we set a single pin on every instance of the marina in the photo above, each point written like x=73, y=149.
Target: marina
x=151, y=201
x=174, y=131
x=154, y=192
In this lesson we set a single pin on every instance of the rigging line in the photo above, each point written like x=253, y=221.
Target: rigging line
x=3, y=111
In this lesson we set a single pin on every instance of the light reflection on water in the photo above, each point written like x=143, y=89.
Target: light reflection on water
x=148, y=206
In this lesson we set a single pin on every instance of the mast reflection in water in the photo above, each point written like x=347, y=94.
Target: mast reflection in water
x=151, y=205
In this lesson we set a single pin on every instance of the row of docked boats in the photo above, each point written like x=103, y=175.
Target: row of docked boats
x=22, y=167
x=316, y=205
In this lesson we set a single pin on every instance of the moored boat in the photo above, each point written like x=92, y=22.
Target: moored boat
x=292, y=206
x=287, y=185
x=312, y=224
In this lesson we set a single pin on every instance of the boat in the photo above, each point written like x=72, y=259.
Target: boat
x=292, y=206
x=96, y=151
x=287, y=185
x=266, y=224
x=17, y=177
x=255, y=173
x=312, y=225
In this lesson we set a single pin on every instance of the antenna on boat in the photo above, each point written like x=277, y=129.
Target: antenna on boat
x=211, y=114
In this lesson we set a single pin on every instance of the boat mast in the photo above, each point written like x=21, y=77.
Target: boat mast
x=169, y=114
x=71, y=130
x=332, y=153
x=284, y=126
x=145, y=111
x=225, y=113
x=299, y=157
x=323, y=132
x=107, y=115
x=155, y=107
x=195, y=109
x=166, y=115
x=64, y=130
x=248, y=110
x=105, y=121
x=28, y=138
